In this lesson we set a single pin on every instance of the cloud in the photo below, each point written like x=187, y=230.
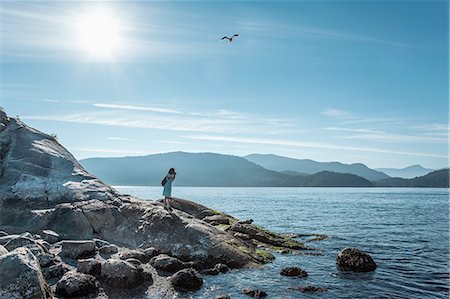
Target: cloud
x=220, y=121
x=381, y=136
x=331, y=112
x=108, y=150
x=310, y=145
x=138, y=108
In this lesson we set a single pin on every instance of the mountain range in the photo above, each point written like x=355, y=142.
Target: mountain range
x=407, y=172
x=211, y=169
x=279, y=163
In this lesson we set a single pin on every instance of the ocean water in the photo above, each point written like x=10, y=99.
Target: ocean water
x=406, y=231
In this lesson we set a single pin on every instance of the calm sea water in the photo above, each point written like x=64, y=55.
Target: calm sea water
x=405, y=230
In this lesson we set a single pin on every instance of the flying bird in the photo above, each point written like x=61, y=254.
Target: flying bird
x=230, y=39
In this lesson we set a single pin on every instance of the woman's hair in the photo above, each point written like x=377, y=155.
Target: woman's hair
x=172, y=171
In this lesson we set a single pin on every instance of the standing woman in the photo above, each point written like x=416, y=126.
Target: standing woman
x=167, y=192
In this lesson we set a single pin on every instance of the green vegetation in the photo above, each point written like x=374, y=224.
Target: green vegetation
x=266, y=255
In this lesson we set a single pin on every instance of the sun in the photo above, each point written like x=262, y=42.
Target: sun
x=99, y=34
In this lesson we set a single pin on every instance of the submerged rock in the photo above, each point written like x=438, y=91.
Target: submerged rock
x=309, y=288
x=187, y=280
x=254, y=293
x=75, y=284
x=352, y=259
x=294, y=271
x=21, y=276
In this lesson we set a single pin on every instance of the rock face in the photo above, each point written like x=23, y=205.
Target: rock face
x=43, y=187
x=17, y=267
x=187, y=280
x=352, y=259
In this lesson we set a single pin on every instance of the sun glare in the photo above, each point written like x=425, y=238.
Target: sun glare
x=99, y=34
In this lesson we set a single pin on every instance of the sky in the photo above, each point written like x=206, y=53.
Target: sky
x=349, y=81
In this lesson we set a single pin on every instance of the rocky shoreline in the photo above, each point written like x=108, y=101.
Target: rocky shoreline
x=66, y=234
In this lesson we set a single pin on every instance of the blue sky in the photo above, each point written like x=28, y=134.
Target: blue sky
x=345, y=81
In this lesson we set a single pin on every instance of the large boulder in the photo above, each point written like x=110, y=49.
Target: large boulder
x=21, y=276
x=352, y=259
x=74, y=284
x=166, y=263
x=187, y=280
x=122, y=274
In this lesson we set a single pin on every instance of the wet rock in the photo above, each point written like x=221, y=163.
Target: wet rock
x=352, y=259
x=248, y=221
x=222, y=297
x=222, y=268
x=187, y=280
x=77, y=248
x=218, y=268
x=108, y=249
x=166, y=263
x=309, y=288
x=134, y=254
x=293, y=271
x=50, y=236
x=16, y=268
x=254, y=293
x=265, y=236
x=216, y=219
x=121, y=274
x=90, y=266
x=75, y=284
x=3, y=250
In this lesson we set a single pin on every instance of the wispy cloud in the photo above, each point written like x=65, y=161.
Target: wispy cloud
x=332, y=112
x=381, y=136
x=288, y=30
x=310, y=145
x=137, y=108
x=108, y=150
x=220, y=121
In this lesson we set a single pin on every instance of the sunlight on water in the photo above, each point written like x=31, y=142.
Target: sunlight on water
x=405, y=230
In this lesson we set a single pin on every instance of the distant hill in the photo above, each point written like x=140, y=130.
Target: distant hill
x=279, y=163
x=407, y=172
x=435, y=179
x=193, y=169
x=208, y=169
x=333, y=179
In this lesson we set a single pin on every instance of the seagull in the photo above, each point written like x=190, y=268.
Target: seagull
x=230, y=39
